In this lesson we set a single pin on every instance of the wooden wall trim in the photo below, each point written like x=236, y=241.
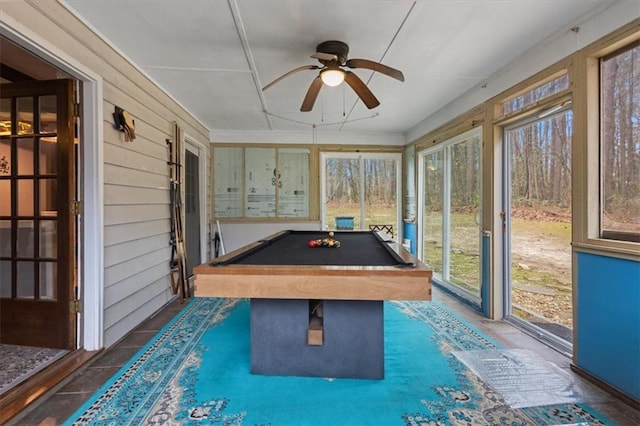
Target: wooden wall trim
x=465, y=122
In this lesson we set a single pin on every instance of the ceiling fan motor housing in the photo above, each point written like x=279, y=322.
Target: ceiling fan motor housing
x=334, y=47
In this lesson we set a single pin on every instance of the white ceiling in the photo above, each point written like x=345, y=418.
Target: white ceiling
x=215, y=56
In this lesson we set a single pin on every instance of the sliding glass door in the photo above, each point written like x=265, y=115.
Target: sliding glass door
x=449, y=214
x=360, y=190
x=537, y=222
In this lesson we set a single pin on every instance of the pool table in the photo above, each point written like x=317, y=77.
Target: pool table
x=317, y=311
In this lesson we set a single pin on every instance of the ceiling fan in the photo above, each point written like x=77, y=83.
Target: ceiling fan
x=333, y=56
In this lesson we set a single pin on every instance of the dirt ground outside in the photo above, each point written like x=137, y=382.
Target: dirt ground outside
x=540, y=260
x=541, y=264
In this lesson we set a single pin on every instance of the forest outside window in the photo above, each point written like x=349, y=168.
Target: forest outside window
x=450, y=183
x=620, y=144
x=553, y=85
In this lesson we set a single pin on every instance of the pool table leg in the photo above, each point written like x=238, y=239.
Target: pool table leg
x=353, y=344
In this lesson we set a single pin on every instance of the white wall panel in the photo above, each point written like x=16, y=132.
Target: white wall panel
x=114, y=235
x=137, y=263
x=118, y=175
x=121, y=291
x=119, y=156
x=134, y=310
x=118, y=194
x=119, y=253
x=122, y=215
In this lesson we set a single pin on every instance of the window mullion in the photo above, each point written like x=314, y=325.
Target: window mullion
x=446, y=215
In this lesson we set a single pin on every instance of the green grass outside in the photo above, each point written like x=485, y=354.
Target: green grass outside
x=528, y=268
x=375, y=215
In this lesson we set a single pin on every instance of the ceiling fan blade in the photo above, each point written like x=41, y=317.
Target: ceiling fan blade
x=325, y=56
x=361, y=90
x=312, y=94
x=302, y=68
x=375, y=66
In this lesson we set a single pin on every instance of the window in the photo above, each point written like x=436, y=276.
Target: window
x=620, y=144
x=360, y=190
x=543, y=90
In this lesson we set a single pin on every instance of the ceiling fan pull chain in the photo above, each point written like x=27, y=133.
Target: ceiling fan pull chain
x=344, y=112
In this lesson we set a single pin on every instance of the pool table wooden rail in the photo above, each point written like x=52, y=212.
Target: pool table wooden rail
x=314, y=281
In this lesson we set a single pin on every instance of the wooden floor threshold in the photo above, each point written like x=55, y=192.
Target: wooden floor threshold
x=19, y=397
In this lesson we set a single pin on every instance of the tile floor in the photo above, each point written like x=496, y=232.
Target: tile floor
x=62, y=401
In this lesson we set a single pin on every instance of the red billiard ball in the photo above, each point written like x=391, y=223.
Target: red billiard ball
x=312, y=243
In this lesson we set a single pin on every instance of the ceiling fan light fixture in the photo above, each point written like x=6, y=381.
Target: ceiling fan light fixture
x=332, y=76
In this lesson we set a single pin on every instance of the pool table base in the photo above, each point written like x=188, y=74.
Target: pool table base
x=352, y=344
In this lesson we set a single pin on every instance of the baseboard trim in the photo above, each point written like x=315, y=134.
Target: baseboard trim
x=632, y=402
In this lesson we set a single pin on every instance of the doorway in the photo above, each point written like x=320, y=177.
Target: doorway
x=27, y=58
x=192, y=210
x=537, y=222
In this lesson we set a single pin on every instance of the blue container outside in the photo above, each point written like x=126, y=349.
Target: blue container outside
x=410, y=234
x=344, y=223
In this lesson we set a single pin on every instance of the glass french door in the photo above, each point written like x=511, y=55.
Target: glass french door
x=537, y=220
x=361, y=190
x=449, y=216
x=37, y=221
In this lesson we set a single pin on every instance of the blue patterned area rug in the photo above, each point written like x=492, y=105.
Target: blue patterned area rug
x=196, y=372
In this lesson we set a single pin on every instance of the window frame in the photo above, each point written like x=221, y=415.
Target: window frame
x=361, y=156
x=585, y=74
x=633, y=237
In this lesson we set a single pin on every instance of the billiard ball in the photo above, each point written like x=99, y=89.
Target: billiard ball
x=312, y=243
x=331, y=234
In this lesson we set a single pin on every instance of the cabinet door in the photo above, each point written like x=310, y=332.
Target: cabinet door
x=293, y=183
x=227, y=182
